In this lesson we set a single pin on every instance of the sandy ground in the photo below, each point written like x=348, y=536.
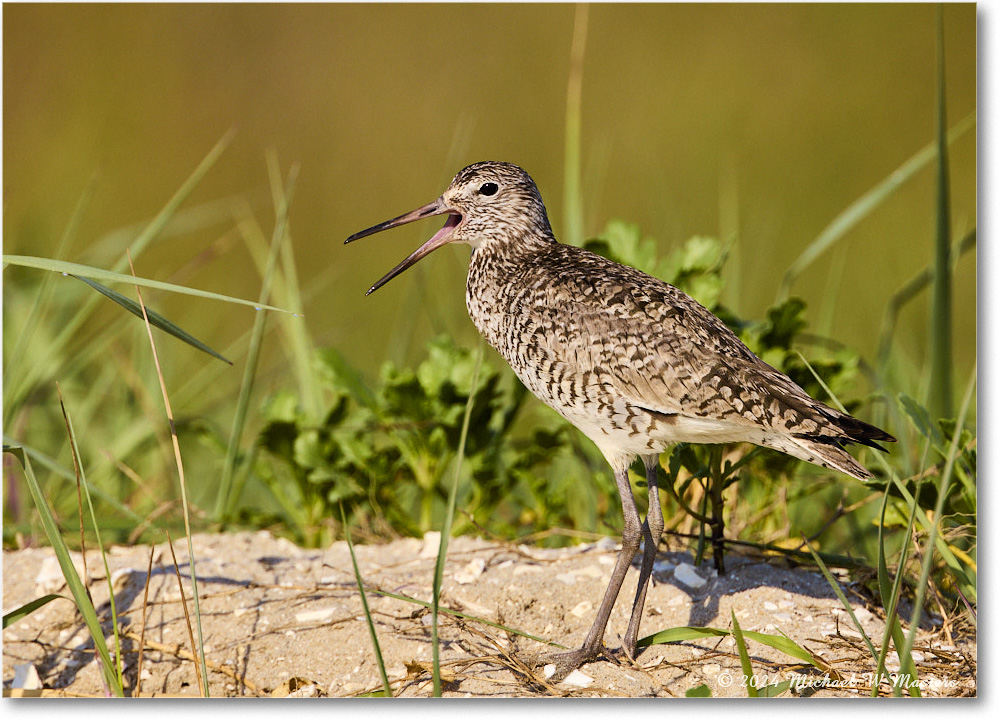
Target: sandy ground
x=281, y=620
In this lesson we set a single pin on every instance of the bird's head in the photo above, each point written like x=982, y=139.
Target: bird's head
x=485, y=203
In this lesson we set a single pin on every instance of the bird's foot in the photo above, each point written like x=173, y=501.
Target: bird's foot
x=565, y=663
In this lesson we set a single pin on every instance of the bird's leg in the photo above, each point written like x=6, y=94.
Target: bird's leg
x=631, y=533
x=652, y=529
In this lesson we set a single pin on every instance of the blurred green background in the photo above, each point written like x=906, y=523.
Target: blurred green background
x=756, y=124
x=763, y=121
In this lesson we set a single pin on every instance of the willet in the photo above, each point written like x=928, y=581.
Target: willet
x=631, y=361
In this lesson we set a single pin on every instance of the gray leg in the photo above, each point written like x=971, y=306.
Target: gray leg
x=631, y=534
x=652, y=529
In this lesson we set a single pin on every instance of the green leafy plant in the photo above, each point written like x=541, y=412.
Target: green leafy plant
x=384, y=450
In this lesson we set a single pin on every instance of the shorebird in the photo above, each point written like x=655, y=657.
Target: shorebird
x=633, y=362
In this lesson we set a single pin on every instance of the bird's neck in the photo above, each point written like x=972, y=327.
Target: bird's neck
x=512, y=245
x=497, y=272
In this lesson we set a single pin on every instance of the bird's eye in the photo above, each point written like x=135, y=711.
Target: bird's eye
x=488, y=189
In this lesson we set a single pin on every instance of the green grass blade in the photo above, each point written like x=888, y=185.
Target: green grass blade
x=572, y=194
x=940, y=391
x=890, y=597
x=696, y=633
x=908, y=292
x=863, y=206
x=741, y=649
x=108, y=276
x=155, y=319
x=226, y=495
x=82, y=481
x=54, y=467
x=35, y=374
x=14, y=370
x=76, y=587
x=151, y=231
x=681, y=633
x=285, y=292
x=774, y=689
x=942, y=489
x=158, y=223
x=786, y=645
x=300, y=343
x=364, y=604
x=840, y=595
x=449, y=517
x=30, y=607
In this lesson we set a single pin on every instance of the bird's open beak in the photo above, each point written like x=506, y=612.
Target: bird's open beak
x=438, y=207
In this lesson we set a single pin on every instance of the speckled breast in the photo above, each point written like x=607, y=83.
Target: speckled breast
x=516, y=309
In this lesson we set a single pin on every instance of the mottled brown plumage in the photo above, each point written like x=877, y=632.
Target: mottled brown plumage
x=631, y=361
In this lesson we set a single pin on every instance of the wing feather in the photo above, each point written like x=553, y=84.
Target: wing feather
x=661, y=350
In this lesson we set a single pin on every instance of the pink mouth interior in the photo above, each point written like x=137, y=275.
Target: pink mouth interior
x=449, y=225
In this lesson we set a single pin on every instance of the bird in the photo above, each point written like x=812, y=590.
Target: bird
x=633, y=362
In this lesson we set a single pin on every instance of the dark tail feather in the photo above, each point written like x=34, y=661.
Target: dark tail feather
x=857, y=431
x=827, y=449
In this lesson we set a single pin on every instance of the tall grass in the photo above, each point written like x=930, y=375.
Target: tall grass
x=16, y=393
x=81, y=480
x=185, y=504
x=91, y=355
x=446, y=526
x=572, y=192
x=940, y=401
x=110, y=671
x=875, y=197
x=29, y=375
x=282, y=200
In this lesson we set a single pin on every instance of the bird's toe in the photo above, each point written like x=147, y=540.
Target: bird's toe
x=565, y=663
